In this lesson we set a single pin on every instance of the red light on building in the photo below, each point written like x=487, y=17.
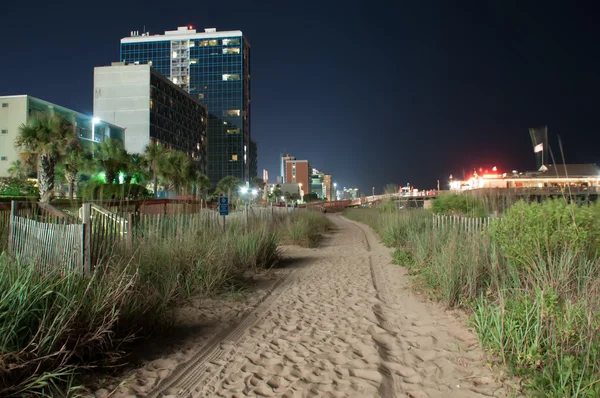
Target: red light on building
x=190, y=27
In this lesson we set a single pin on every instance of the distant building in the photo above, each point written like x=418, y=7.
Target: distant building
x=16, y=111
x=291, y=189
x=328, y=193
x=215, y=68
x=559, y=176
x=284, y=159
x=350, y=193
x=317, y=183
x=253, y=154
x=152, y=108
x=299, y=172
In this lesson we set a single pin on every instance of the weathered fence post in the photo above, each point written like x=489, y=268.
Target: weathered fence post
x=14, y=209
x=129, y=231
x=87, y=239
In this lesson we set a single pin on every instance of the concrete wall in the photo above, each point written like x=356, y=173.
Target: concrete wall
x=11, y=118
x=122, y=97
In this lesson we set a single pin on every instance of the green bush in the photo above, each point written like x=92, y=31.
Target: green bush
x=464, y=204
x=528, y=230
x=99, y=191
x=15, y=187
x=403, y=257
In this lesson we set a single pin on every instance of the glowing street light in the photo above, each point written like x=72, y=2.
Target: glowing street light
x=244, y=190
x=255, y=192
x=95, y=121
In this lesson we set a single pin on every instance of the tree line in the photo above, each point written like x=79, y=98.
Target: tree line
x=51, y=149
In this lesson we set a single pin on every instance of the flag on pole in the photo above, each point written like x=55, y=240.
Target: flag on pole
x=538, y=148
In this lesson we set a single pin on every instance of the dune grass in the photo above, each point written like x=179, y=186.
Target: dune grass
x=531, y=283
x=306, y=228
x=55, y=326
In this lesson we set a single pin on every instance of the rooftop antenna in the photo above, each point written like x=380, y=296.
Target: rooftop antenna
x=144, y=28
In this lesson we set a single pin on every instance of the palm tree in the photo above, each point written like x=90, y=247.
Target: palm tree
x=73, y=163
x=137, y=167
x=18, y=169
x=202, y=184
x=110, y=156
x=46, y=138
x=154, y=152
x=177, y=169
x=227, y=185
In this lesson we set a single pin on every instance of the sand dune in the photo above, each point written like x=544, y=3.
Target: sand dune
x=342, y=323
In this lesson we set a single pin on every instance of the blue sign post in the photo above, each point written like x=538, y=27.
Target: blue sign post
x=224, y=209
x=224, y=206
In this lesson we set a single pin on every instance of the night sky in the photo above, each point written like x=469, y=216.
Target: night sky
x=371, y=92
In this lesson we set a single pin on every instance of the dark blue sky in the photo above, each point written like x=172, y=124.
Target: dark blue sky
x=372, y=92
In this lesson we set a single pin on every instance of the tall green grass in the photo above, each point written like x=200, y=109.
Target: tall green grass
x=531, y=282
x=55, y=326
x=306, y=228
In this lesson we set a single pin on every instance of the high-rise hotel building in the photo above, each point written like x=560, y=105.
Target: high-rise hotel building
x=215, y=68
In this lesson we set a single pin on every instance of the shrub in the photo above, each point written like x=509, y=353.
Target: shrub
x=99, y=191
x=453, y=203
x=403, y=257
x=18, y=188
x=527, y=230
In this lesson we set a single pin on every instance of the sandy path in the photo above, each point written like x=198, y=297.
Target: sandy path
x=343, y=324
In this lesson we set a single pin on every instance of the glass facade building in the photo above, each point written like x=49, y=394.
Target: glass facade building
x=215, y=68
x=177, y=120
x=253, y=163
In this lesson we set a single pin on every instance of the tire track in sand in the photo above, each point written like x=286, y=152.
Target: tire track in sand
x=390, y=383
x=188, y=375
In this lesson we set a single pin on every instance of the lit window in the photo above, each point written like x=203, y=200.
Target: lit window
x=230, y=42
x=174, y=54
x=232, y=112
x=193, y=61
x=4, y=158
x=231, y=50
x=213, y=42
x=5, y=105
x=229, y=78
x=192, y=44
x=203, y=43
x=136, y=63
x=201, y=96
x=175, y=80
x=4, y=132
x=233, y=131
x=234, y=157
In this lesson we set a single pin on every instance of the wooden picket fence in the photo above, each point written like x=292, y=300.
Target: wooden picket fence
x=79, y=244
x=46, y=241
x=461, y=223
